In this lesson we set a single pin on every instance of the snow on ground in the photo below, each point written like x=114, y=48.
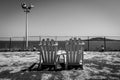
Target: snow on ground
x=46, y=76
x=14, y=61
x=97, y=65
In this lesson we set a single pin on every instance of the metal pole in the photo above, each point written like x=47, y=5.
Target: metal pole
x=26, y=10
x=26, y=33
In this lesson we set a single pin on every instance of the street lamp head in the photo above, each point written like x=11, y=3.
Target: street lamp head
x=23, y=5
x=30, y=6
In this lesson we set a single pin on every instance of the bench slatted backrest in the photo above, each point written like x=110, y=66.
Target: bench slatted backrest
x=48, y=51
x=74, y=51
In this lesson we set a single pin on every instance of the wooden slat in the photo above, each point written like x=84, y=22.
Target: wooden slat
x=51, y=53
x=47, y=46
x=44, y=55
x=76, y=56
x=56, y=48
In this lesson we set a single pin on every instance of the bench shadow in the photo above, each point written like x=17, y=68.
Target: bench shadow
x=35, y=67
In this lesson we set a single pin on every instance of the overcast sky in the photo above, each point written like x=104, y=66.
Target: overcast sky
x=61, y=18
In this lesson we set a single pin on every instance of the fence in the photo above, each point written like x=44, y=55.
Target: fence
x=92, y=43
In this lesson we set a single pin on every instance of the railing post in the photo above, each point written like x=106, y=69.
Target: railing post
x=10, y=44
x=39, y=38
x=88, y=43
x=23, y=44
x=55, y=38
x=104, y=43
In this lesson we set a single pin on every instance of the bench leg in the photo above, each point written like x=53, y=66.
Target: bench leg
x=31, y=67
x=66, y=66
x=39, y=67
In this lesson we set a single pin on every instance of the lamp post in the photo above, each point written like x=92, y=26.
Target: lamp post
x=26, y=9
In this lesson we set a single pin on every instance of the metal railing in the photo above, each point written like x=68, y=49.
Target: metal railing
x=92, y=43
